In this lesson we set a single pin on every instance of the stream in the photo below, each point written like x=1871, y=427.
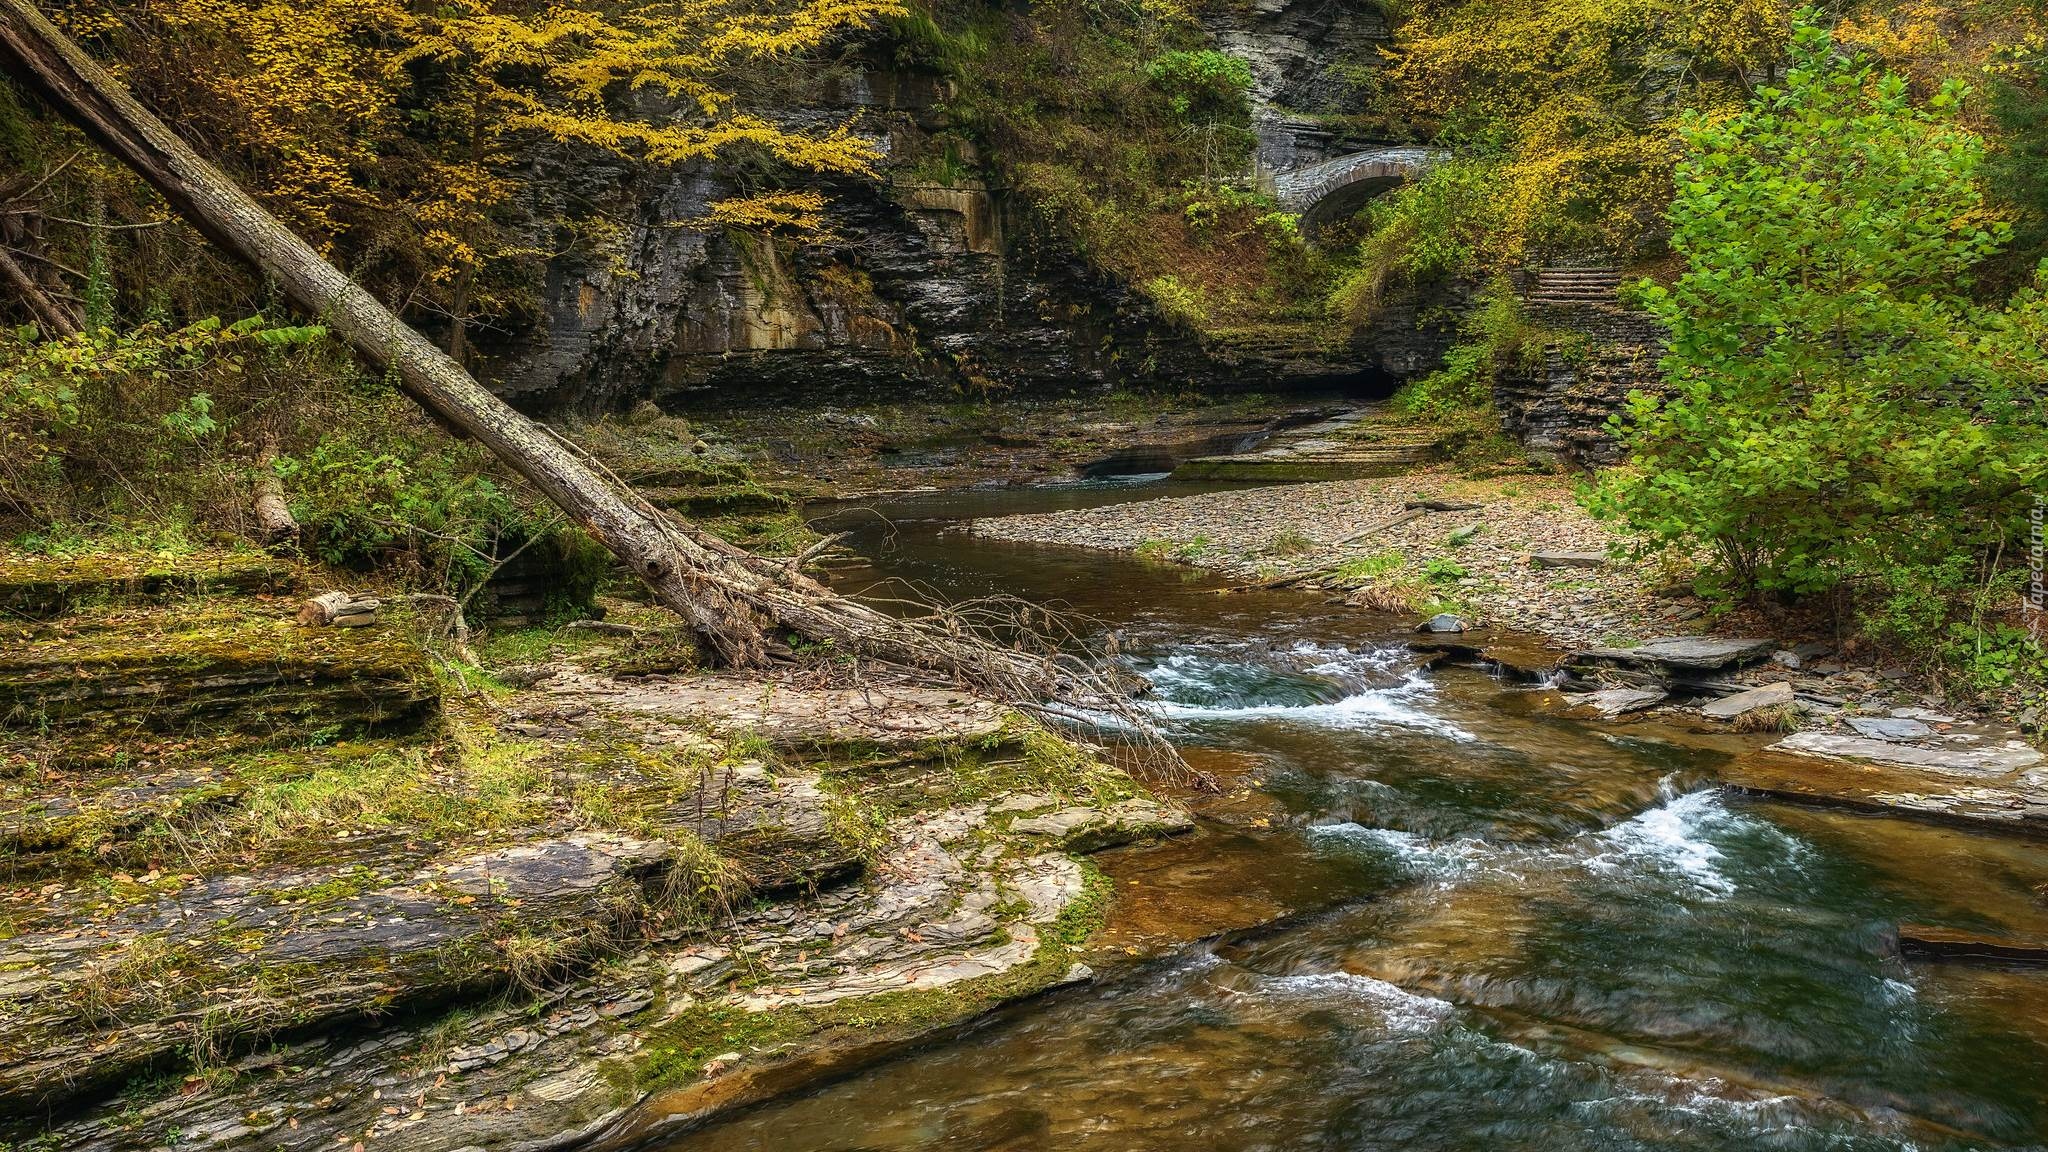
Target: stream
x=1499, y=928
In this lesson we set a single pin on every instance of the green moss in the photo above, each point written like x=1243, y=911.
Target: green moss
x=41, y=585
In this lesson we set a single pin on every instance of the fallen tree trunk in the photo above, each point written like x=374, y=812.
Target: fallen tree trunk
x=55, y=321
x=730, y=599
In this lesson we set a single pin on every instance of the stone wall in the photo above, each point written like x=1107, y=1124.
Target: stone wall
x=1561, y=410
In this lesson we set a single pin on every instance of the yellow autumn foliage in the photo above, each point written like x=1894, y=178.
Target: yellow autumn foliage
x=389, y=129
x=1575, y=100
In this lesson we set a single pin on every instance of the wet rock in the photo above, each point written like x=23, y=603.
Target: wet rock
x=1889, y=728
x=1088, y=829
x=1613, y=702
x=1923, y=941
x=1443, y=622
x=1568, y=560
x=1679, y=654
x=1954, y=759
x=1742, y=703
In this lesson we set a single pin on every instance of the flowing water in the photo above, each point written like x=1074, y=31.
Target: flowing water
x=1503, y=929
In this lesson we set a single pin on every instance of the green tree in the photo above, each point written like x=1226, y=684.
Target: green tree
x=1836, y=403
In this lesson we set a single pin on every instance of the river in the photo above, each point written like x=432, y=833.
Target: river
x=1502, y=929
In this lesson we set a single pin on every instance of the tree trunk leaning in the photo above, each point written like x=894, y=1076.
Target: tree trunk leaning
x=729, y=598
x=39, y=55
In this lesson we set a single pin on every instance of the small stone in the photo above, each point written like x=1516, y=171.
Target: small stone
x=1787, y=659
x=1743, y=703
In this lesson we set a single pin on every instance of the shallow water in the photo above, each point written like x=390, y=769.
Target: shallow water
x=1511, y=930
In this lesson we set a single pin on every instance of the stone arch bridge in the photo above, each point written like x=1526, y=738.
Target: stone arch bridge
x=1333, y=189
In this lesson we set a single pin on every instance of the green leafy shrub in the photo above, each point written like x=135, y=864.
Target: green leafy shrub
x=1204, y=87
x=1836, y=402
x=1177, y=301
x=1838, y=409
x=1435, y=228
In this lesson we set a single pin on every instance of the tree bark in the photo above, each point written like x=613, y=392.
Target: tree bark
x=729, y=598
x=274, y=518
x=52, y=317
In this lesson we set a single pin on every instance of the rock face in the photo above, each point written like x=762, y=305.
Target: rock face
x=924, y=287
x=1304, y=58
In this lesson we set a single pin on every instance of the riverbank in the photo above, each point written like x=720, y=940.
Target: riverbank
x=280, y=884
x=1511, y=551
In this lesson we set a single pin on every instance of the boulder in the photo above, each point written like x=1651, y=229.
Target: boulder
x=1743, y=703
x=1443, y=622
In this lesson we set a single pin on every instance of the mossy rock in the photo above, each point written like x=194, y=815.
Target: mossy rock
x=46, y=587
x=721, y=500
x=237, y=664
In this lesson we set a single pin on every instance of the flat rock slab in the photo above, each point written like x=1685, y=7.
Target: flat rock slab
x=1934, y=943
x=1892, y=728
x=1613, y=702
x=886, y=716
x=221, y=665
x=1681, y=653
x=948, y=904
x=86, y=1004
x=1087, y=829
x=1743, y=703
x=2000, y=788
x=1980, y=761
x=44, y=587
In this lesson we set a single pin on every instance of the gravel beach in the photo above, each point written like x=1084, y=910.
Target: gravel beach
x=1339, y=535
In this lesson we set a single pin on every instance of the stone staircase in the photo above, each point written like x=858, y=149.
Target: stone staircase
x=1575, y=287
